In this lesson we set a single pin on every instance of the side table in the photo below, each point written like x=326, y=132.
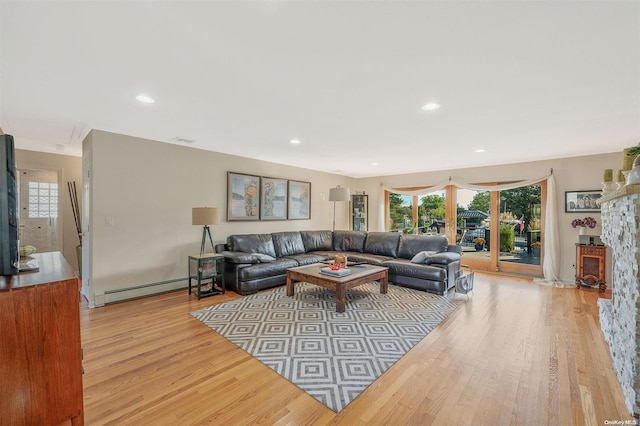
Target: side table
x=208, y=272
x=590, y=266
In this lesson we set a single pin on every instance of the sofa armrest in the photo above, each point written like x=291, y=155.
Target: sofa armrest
x=442, y=258
x=239, y=257
x=219, y=248
x=454, y=248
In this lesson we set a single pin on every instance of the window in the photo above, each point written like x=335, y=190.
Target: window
x=43, y=200
x=400, y=212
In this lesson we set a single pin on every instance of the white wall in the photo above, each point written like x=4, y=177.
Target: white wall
x=571, y=174
x=70, y=169
x=147, y=190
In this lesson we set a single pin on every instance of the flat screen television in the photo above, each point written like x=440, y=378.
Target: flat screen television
x=9, y=220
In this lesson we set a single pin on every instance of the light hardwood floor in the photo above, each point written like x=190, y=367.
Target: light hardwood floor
x=514, y=353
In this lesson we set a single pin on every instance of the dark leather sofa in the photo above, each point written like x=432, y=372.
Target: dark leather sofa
x=254, y=262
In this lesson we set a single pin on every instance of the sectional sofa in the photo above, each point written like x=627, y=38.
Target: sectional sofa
x=255, y=262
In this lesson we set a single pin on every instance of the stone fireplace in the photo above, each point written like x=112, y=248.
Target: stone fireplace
x=620, y=316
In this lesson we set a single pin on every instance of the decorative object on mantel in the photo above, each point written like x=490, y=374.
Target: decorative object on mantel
x=620, y=179
x=583, y=224
x=607, y=181
x=633, y=178
x=608, y=187
x=629, y=156
x=632, y=161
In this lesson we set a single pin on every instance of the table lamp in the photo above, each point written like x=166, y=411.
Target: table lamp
x=338, y=194
x=205, y=216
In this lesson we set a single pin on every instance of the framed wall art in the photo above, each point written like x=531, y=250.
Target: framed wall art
x=582, y=201
x=243, y=197
x=273, y=199
x=299, y=204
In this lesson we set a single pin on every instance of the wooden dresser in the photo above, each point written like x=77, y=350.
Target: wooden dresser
x=40, y=352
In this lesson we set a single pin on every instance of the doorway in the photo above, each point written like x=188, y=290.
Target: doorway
x=39, y=224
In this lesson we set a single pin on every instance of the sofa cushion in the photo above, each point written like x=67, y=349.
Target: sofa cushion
x=371, y=259
x=349, y=240
x=264, y=270
x=422, y=256
x=252, y=243
x=442, y=258
x=317, y=240
x=287, y=243
x=382, y=243
x=263, y=258
x=410, y=244
x=307, y=258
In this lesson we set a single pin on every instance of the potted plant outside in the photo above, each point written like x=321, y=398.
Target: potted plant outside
x=535, y=248
x=479, y=243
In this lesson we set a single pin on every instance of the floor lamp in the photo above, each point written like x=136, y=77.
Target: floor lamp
x=338, y=194
x=205, y=216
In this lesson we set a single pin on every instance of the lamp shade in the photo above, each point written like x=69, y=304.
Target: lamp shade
x=339, y=194
x=205, y=216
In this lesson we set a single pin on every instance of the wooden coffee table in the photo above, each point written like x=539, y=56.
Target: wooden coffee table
x=361, y=274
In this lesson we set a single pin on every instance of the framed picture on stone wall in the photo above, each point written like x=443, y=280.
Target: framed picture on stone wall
x=582, y=201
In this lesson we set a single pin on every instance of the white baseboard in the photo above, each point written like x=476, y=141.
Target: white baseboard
x=136, y=292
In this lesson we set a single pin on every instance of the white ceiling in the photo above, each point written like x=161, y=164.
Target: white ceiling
x=523, y=80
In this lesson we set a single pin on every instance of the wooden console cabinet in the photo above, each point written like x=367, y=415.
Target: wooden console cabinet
x=40, y=353
x=591, y=266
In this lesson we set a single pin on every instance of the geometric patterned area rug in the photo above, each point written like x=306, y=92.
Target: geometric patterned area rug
x=332, y=356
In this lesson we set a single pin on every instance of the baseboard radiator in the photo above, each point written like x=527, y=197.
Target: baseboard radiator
x=139, y=291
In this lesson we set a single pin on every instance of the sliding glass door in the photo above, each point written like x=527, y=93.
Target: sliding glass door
x=499, y=230
x=512, y=230
x=521, y=229
x=474, y=227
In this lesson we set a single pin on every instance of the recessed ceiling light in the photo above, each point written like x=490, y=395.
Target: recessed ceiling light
x=145, y=99
x=294, y=142
x=374, y=164
x=480, y=150
x=431, y=106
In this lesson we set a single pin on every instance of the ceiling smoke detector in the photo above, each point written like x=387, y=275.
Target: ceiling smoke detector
x=182, y=140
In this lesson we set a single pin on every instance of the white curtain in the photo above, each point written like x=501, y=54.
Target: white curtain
x=551, y=240
x=551, y=263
